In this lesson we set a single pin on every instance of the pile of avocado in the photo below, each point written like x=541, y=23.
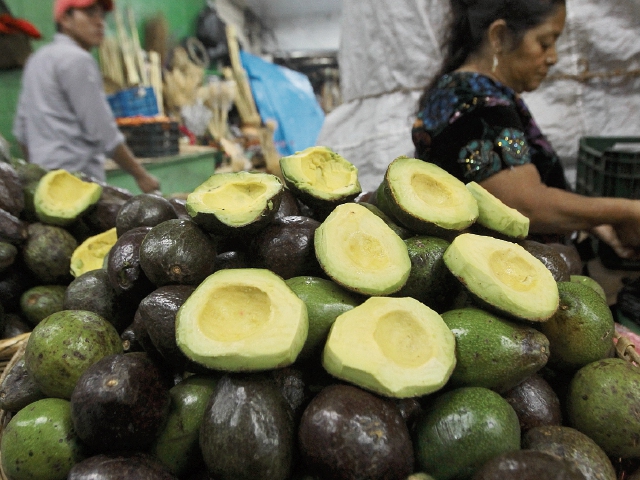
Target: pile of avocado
x=298, y=328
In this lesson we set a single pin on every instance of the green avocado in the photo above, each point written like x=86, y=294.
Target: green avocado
x=497, y=217
x=493, y=352
x=401, y=231
x=40, y=443
x=503, y=276
x=177, y=445
x=63, y=345
x=461, y=430
x=602, y=400
x=8, y=254
x=177, y=252
x=39, y=302
x=241, y=412
x=29, y=174
x=346, y=432
x=235, y=204
x=47, y=253
x=592, y=282
x=572, y=445
x=426, y=199
x=582, y=329
x=320, y=178
x=325, y=301
x=143, y=210
x=358, y=251
x=430, y=281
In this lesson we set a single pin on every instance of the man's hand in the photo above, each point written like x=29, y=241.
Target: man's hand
x=148, y=183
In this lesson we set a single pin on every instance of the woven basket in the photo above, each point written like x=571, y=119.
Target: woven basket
x=11, y=350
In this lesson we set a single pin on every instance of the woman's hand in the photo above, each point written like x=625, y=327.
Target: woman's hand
x=609, y=235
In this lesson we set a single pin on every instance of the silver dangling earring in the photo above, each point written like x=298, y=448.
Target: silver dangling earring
x=495, y=63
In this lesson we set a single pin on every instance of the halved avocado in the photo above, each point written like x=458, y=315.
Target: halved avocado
x=235, y=203
x=320, y=178
x=359, y=251
x=426, y=198
x=503, y=275
x=91, y=253
x=496, y=216
x=60, y=197
x=242, y=320
x=396, y=347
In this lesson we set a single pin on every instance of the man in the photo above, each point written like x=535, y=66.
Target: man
x=63, y=118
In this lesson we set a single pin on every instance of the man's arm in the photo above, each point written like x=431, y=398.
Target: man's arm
x=125, y=159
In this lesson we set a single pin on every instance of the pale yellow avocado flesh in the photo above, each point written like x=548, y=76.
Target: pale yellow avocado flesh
x=504, y=275
x=359, y=251
x=322, y=171
x=242, y=320
x=90, y=254
x=61, y=197
x=236, y=199
x=397, y=347
x=495, y=215
x=431, y=194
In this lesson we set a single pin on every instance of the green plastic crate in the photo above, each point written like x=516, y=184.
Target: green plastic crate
x=604, y=172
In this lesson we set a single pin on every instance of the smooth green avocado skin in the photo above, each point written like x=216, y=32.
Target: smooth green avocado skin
x=39, y=442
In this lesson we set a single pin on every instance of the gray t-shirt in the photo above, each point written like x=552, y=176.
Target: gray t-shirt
x=63, y=117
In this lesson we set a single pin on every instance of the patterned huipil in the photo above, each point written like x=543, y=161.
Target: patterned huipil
x=473, y=127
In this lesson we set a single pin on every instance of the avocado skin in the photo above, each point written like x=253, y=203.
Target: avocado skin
x=47, y=253
x=430, y=281
x=493, y=352
x=286, y=247
x=121, y=466
x=231, y=259
x=121, y=402
x=18, y=389
x=123, y=266
x=461, y=430
x=158, y=314
x=11, y=196
x=571, y=445
x=102, y=216
x=92, y=291
x=14, y=281
x=247, y=428
x=177, y=252
x=347, y=433
x=12, y=229
x=402, y=232
x=144, y=210
x=14, y=326
x=8, y=254
x=603, y=403
x=535, y=403
x=582, y=329
x=528, y=465
x=289, y=206
x=40, y=301
x=550, y=257
x=177, y=445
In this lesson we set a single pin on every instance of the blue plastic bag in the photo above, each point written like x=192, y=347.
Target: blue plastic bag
x=287, y=97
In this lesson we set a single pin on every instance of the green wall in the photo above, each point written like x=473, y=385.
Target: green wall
x=180, y=14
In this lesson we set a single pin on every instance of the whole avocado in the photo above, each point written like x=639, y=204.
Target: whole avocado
x=47, y=253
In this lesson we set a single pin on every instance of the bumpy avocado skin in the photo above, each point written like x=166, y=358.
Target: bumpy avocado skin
x=430, y=281
x=39, y=302
x=572, y=445
x=47, y=253
x=462, y=429
x=120, y=403
x=247, y=428
x=11, y=197
x=8, y=254
x=177, y=252
x=348, y=433
x=492, y=352
x=123, y=266
x=124, y=465
x=12, y=229
x=535, y=402
x=39, y=442
x=144, y=210
x=603, y=402
x=18, y=389
x=582, y=329
x=528, y=465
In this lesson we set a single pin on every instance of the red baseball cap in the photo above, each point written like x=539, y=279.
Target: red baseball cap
x=61, y=6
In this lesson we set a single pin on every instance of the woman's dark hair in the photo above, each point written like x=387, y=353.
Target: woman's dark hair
x=471, y=19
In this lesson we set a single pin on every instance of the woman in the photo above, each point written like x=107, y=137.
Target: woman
x=474, y=124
